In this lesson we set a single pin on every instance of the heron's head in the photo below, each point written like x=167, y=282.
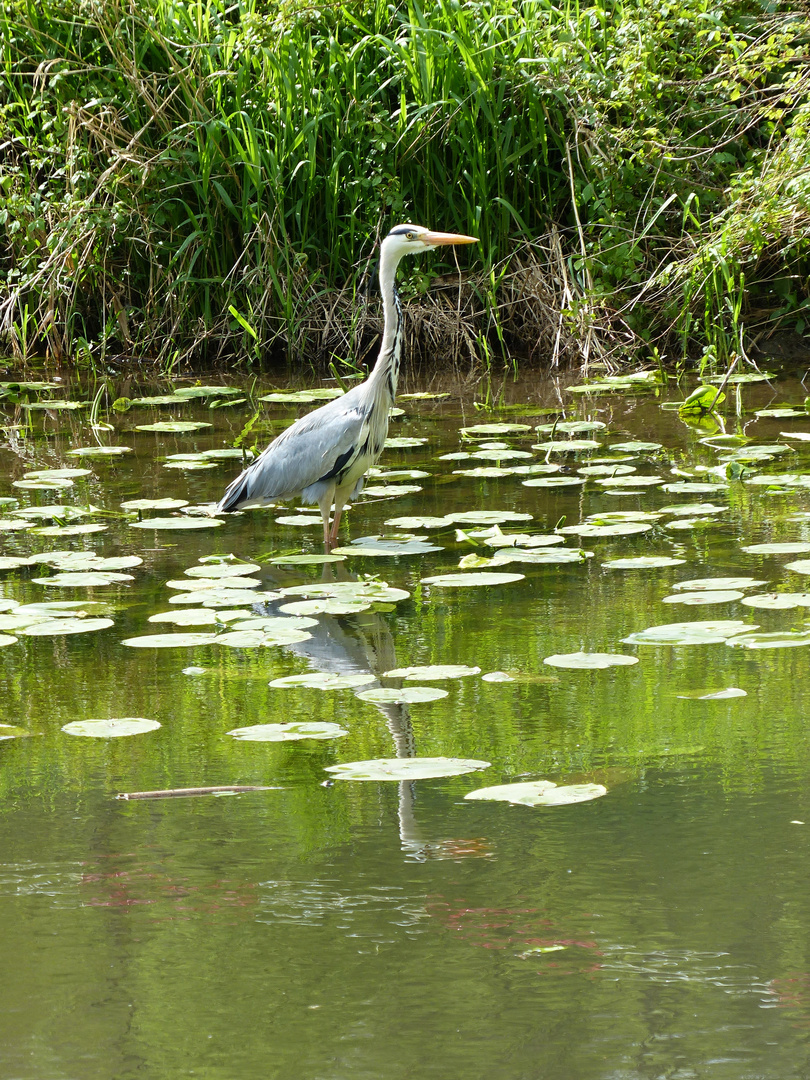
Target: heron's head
x=411, y=239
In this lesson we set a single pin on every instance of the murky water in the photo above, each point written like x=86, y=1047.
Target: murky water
x=393, y=930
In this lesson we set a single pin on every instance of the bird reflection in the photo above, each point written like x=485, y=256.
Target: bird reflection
x=364, y=644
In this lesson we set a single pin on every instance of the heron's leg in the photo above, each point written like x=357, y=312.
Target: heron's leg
x=324, y=504
x=333, y=535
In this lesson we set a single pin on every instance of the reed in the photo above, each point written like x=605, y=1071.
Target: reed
x=208, y=180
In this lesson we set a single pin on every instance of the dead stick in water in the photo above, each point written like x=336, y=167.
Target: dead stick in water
x=173, y=793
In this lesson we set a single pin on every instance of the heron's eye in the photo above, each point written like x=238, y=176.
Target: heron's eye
x=410, y=236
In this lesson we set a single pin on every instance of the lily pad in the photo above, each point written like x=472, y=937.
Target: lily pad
x=186, y=617
x=606, y=470
x=292, y=732
x=6, y=639
x=714, y=695
x=710, y=584
x=705, y=596
x=415, y=768
x=634, y=481
x=554, y=481
x=82, y=579
x=70, y=530
x=425, y=521
x=386, y=546
x=99, y=451
x=487, y=517
x=495, y=429
x=432, y=671
x=404, y=695
x=369, y=591
x=627, y=528
x=222, y=570
x=169, y=641
x=706, y=632
x=800, y=566
x=635, y=446
x=324, y=393
x=403, y=442
x=111, y=729
x=571, y=427
x=567, y=446
x=324, y=680
x=174, y=426
x=796, y=548
x=154, y=504
x=177, y=523
x=466, y=581
x=538, y=793
x=63, y=626
x=223, y=598
x=326, y=605
x=307, y=560
x=777, y=601
x=590, y=660
x=787, y=639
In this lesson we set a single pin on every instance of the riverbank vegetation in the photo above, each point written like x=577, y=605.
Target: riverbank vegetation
x=207, y=180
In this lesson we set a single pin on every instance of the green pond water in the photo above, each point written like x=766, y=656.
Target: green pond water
x=330, y=928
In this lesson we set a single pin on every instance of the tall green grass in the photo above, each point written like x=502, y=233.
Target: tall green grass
x=210, y=179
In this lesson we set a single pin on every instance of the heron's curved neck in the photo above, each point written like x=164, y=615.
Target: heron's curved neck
x=385, y=373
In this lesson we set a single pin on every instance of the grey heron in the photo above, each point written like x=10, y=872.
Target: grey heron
x=323, y=457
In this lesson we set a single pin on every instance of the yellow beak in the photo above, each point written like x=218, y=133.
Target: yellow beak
x=447, y=238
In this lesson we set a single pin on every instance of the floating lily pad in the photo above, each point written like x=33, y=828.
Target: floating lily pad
x=52, y=484
x=627, y=528
x=272, y=624
x=496, y=538
x=466, y=581
x=567, y=446
x=299, y=520
x=432, y=671
x=695, y=487
x=52, y=512
x=415, y=768
x=777, y=601
x=70, y=530
x=538, y=793
x=404, y=695
x=111, y=729
x=307, y=560
x=223, y=598
x=634, y=481
x=177, y=523
x=14, y=524
x=324, y=393
x=706, y=596
x=424, y=521
x=797, y=548
x=324, y=680
x=186, y=617
x=496, y=677
x=424, y=395
x=369, y=591
x=292, y=732
x=706, y=632
x=222, y=570
x=572, y=427
x=63, y=626
x=99, y=451
x=606, y=470
x=635, y=446
x=169, y=641
x=326, y=605
x=495, y=429
x=800, y=566
x=403, y=442
x=590, y=660
x=787, y=639
x=6, y=639
x=204, y=391
x=82, y=579
x=713, y=583
x=714, y=695
x=386, y=546
x=390, y=491
x=542, y=557
x=487, y=517
x=174, y=426
x=554, y=482
x=154, y=504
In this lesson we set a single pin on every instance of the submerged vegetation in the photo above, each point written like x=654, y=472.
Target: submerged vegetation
x=209, y=179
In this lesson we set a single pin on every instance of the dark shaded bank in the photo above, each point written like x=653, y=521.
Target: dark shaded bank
x=209, y=182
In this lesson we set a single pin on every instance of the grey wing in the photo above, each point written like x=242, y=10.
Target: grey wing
x=316, y=447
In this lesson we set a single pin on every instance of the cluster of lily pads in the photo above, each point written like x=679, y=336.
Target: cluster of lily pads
x=564, y=459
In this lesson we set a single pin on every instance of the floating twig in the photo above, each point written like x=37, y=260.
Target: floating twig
x=174, y=793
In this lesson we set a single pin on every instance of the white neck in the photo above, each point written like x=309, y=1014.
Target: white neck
x=385, y=373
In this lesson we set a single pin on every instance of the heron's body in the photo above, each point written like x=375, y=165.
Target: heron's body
x=323, y=457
